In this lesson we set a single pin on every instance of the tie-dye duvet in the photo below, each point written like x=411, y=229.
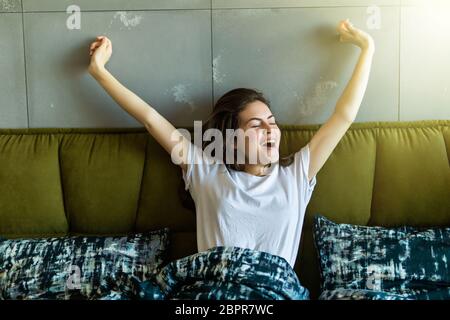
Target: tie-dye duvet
x=220, y=273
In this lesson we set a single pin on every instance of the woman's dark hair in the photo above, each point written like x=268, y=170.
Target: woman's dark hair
x=225, y=115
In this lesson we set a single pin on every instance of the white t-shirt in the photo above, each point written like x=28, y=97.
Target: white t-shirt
x=235, y=208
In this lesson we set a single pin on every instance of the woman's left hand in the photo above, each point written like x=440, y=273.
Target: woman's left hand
x=348, y=33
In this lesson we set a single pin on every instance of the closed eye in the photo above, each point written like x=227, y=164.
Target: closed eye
x=255, y=124
x=259, y=124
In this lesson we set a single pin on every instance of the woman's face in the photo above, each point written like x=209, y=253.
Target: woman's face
x=261, y=132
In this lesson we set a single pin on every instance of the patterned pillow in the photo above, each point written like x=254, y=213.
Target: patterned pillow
x=382, y=263
x=76, y=267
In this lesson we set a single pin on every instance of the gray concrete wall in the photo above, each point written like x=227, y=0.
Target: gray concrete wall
x=181, y=56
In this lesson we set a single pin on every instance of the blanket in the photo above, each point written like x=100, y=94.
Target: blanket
x=220, y=273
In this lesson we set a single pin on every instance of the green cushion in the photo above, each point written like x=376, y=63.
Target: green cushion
x=414, y=178
x=101, y=177
x=160, y=204
x=31, y=198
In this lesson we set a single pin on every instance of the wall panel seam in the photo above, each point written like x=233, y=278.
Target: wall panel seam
x=25, y=65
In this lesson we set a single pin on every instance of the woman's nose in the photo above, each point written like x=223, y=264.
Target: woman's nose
x=267, y=126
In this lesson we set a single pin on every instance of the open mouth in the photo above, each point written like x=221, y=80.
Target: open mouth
x=269, y=143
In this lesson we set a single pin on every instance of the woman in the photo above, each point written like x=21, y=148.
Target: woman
x=253, y=204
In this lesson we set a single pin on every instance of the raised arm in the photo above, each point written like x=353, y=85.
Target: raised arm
x=161, y=129
x=330, y=133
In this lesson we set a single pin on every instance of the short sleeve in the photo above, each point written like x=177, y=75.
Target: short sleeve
x=301, y=164
x=197, y=167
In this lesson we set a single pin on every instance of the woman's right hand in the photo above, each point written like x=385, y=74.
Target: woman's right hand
x=100, y=51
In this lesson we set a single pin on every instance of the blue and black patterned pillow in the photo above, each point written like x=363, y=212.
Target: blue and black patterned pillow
x=360, y=262
x=77, y=267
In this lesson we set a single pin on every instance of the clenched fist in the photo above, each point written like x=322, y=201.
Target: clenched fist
x=100, y=51
x=348, y=33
